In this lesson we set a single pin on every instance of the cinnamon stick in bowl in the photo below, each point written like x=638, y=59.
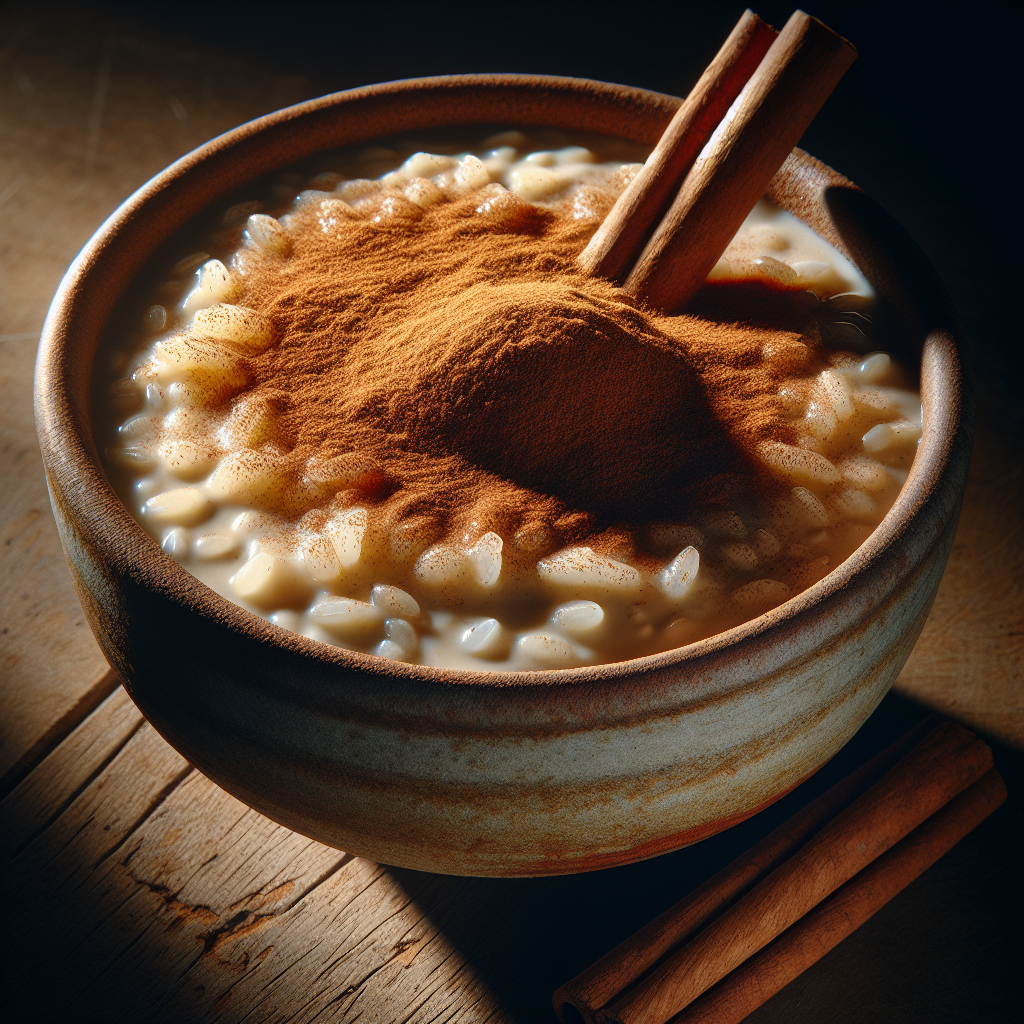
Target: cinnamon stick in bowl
x=622, y=235
x=715, y=190
x=787, y=90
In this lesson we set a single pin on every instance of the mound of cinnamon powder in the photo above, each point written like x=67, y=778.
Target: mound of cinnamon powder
x=499, y=386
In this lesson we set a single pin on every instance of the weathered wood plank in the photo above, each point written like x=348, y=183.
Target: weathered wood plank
x=58, y=886
x=164, y=898
x=378, y=952
x=89, y=698
x=135, y=781
x=212, y=870
x=61, y=776
x=203, y=846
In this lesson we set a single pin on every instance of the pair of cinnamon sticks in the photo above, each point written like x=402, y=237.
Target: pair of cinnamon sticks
x=749, y=930
x=716, y=158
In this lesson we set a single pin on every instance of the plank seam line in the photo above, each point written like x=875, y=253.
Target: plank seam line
x=484, y=992
x=351, y=897
x=410, y=900
x=79, y=790
x=345, y=859
x=283, y=909
x=436, y=1019
x=351, y=993
x=496, y=1016
x=265, y=992
x=337, y=866
x=313, y=999
x=162, y=1004
x=99, y=923
x=188, y=969
x=59, y=731
x=355, y=948
x=69, y=841
x=449, y=1012
x=99, y=975
x=468, y=949
x=271, y=983
x=435, y=982
x=188, y=880
x=452, y=951
x=223, y=997
x=140, y=821
x=356, y=988
x=466, y=968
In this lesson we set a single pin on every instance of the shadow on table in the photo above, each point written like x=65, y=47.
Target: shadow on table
x=948, y=948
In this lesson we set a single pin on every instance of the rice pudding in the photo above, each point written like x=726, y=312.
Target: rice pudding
x=200, y=441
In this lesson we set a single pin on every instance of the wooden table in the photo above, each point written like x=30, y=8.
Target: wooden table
x=137, y=890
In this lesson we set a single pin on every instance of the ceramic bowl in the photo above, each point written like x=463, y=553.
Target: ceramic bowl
x=532, y=773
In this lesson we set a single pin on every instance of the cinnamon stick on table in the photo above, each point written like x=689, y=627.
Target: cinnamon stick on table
x=769, y=971
x=654, y=976
x=622, y=235
x=619, y=969
x=944, y=764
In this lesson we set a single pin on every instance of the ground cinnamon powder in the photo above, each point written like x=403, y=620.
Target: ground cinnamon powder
x=499, y=387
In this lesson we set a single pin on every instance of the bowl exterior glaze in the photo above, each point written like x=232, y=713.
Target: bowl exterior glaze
x=492, y=773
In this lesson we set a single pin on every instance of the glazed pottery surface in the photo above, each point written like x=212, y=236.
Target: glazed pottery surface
x=496, y=773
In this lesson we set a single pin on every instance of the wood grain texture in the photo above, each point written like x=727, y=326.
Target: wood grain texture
x=89, y=110
x=49, y=661
x=40, y=799
x=166, y=899
x=969, y=661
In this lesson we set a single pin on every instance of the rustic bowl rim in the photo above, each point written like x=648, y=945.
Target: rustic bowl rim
x=82, y=488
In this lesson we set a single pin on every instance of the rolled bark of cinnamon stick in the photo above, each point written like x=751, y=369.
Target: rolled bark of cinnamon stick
x=800, y=70
x=623, y=966
x=806, y=942
x=622, y=235
x=943, y=765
